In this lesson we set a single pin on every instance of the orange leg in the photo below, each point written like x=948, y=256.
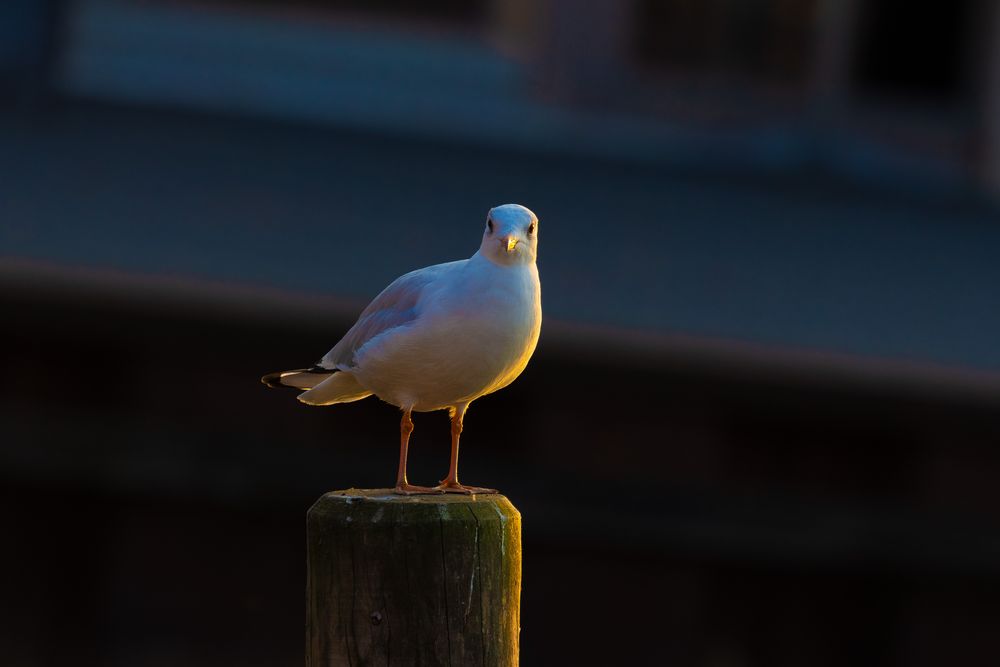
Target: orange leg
x=403, y=487
x=450, y=484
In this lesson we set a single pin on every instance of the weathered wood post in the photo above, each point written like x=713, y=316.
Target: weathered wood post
x=412, y=580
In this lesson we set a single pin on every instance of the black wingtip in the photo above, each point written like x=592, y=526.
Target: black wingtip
x=272, y=380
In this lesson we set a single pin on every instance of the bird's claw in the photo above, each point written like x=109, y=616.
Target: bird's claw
x=455, y=487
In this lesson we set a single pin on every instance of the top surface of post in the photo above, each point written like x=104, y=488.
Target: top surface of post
x=389, y=496
x=383, y=505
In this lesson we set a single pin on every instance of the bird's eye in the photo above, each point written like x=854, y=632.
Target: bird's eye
x=489, y=224
x=531, y=228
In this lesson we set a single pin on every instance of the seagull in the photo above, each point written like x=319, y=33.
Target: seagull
x=438, y=338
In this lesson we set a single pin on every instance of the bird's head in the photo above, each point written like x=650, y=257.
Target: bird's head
x=511, y=235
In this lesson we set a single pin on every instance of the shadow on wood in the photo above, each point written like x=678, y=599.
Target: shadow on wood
x=408, y=580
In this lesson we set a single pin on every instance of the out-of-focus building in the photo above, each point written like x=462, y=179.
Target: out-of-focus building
x=875, y=91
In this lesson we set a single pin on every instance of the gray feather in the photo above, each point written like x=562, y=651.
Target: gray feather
x=398, y=305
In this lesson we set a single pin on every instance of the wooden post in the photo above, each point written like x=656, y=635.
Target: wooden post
x=412, y=580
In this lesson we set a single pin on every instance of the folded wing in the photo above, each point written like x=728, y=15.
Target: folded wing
x=330, y=380
x=398, y=305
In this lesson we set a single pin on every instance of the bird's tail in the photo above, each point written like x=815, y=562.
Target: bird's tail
x=340, y=387
x=323, y=386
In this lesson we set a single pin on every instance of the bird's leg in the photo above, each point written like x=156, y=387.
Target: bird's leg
x=402, y=486
x=450, y=484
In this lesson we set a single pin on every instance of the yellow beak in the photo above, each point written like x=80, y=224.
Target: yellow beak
x=511, y=244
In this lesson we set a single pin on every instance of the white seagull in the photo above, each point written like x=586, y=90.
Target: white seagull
x=439, y=338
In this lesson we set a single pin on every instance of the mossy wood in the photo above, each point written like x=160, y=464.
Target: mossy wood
x=412, y=580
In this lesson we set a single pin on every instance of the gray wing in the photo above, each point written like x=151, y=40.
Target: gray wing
x=397, y=306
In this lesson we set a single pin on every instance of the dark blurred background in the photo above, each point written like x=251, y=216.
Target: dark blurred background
x=761, y=427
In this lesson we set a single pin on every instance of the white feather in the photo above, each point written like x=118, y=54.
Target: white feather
x=341, y=387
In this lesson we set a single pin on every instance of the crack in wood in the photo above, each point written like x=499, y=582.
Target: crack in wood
x=482, y=610
x=444, y=582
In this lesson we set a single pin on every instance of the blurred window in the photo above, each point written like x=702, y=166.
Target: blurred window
x=445, y=11
x=759, y=39
x=913, y=48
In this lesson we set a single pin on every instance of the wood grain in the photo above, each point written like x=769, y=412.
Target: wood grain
x=412, y=580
